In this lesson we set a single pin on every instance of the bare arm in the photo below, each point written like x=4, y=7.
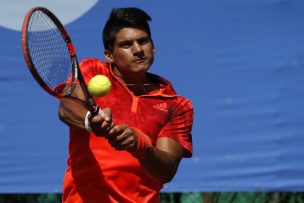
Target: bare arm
x=72, y=111
x=161, y=161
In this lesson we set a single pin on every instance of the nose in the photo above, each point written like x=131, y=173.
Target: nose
x=137, y=50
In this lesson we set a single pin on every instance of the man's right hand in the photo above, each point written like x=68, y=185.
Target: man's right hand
x=102, y=123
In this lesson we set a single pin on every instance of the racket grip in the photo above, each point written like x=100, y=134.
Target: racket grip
x=93, y=107
x=94, y=111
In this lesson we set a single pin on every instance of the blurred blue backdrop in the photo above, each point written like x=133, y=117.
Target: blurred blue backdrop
x=240, y=62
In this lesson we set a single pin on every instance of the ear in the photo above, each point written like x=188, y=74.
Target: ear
x=108, y=56
x=154, y=50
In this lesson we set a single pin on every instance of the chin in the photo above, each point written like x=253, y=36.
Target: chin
x=141, y=68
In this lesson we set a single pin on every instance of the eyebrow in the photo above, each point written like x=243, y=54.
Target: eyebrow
x=126, y=41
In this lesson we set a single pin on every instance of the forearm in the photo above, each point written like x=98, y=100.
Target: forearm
x=160, y=164
x=161, y=160
x=72, y=113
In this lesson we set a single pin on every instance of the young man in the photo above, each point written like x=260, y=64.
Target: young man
x=129, y=151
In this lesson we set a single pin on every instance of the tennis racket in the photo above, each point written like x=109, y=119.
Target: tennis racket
x=51, y=57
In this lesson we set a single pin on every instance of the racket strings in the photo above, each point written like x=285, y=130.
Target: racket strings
x=48, y=50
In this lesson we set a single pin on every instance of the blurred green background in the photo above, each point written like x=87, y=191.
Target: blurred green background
x=195, y=197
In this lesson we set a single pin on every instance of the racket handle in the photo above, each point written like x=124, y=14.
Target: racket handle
x=94, y=111
x=93, y=107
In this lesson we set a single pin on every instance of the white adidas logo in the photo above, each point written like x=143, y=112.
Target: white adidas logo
x=162, y=107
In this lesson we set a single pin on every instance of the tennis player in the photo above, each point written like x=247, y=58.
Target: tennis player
x=127, y=153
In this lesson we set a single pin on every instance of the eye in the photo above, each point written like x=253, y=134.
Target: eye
x=144, y=40
x=125, y=44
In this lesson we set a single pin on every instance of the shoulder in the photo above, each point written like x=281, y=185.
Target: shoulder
x=92, y=62
x=166, y=88
x=182, y=106
x=179, y=103
x=93, y=66
x=179, y=124
x=184, y=102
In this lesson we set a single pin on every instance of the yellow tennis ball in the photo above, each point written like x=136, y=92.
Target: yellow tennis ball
x=99, y=86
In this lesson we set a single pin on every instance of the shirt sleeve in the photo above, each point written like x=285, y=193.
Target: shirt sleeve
x=179, y=126
x=90, y=67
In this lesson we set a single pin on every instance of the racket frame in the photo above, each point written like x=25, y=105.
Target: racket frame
x=76, y=72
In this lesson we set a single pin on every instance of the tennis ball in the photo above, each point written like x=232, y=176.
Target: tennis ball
x=99, y=85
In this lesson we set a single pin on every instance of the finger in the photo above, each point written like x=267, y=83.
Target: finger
x=126, y=143
x=129, y=144
x=97, y=119
x=106, y=113
x=117, y=144
x=118, y=137
x=117, y=130
x=106, y=124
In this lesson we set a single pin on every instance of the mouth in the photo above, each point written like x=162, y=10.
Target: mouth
x=139, y=61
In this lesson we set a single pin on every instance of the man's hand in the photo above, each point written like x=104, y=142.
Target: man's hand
x=122, y=137
x=102, y=123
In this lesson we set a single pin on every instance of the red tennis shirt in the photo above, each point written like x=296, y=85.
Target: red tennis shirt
x=96, y=172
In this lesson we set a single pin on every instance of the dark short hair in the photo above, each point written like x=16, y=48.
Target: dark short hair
x=124, y=18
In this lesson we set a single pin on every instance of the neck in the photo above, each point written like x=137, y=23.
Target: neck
x=138, y=83
x=131, y=79
x=138, y=87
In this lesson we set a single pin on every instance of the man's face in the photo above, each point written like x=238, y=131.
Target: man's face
x=133, y=52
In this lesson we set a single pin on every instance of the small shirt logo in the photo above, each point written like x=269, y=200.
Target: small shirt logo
x=162, y=107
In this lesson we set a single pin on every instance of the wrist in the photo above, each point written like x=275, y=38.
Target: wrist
x=88, y=118
x=87, y=122
x=144, y=144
